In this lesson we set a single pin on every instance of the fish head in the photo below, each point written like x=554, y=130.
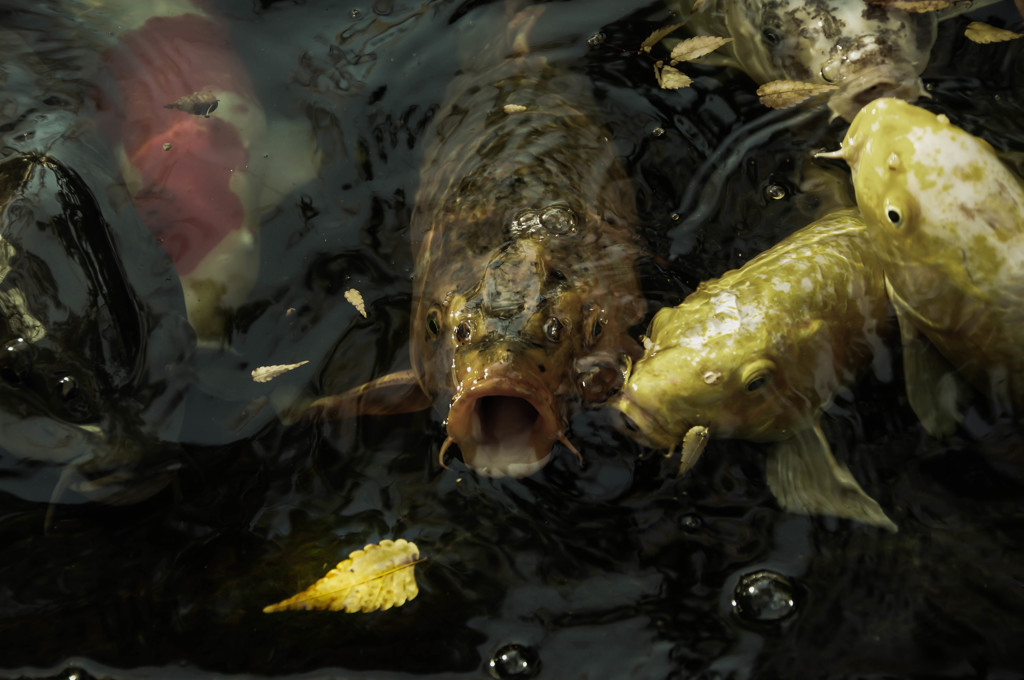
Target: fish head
x=506, y=358
x=940, y=204
x=702, y=370
x=868, y=51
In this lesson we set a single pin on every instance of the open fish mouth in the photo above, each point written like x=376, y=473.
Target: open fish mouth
x=876, y=83
x=505, y=428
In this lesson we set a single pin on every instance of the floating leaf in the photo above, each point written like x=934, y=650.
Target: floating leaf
x=268, y=373
x=697, y=47
x=781, y=94
x=915, y=6
x=197, y=103
x=655, y=38
x=986, y=33
x=514, y=108
x=356, y=298
x=670, y=78
x=379, y=576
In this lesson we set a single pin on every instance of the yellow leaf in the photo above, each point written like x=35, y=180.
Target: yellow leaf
x=655, y=38
x=670, y=78
x=781, y=94
x=915, y=6
x=267, y=373
x=986, y=33
x=697, y=47
x=356, y=298
x=379, y=576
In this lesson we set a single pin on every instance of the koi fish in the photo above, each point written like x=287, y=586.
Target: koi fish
x=946, y=218
x=758, y=353
x=95, y=352
x=525, y=236
x=201, y=161
x=867, y=50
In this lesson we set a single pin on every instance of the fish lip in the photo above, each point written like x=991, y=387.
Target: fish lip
x=901, y=84
x=522, y=458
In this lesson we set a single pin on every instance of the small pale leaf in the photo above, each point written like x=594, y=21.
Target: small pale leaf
x=697, y=6
x=781, y=94
x=356, y=298
x=670, y=78
x=379, y=576
x=697, y=47
x=267, y=373
x=656, y=37
x=514, y=108
x=197, y=103
x=914, y=6
x=986, y=33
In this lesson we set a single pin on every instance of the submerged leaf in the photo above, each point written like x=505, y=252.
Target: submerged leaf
x=915, y=6
x=697, y=47
x=986, y=33
x=655, y=38
x=781, y=94
x=379, y=576
x=356, y=298
x=267, y=373
x=197, y=103
x=670, y=78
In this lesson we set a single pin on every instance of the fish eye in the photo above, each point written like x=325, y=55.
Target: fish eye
x=758, y=374
x=594, y=323
x=894, y=216
x=553, y=329
x=771, y=36
x=464, y=331
x=434, y=323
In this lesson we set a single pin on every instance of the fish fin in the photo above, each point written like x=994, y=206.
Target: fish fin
x=388, y=395
x=805, y=478
x=934, y=389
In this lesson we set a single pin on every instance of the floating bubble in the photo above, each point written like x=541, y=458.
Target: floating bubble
x=514, y=661
x=558, y=220
x=676, y=217
x=658, y=131
x=763, y=596
x=596, y=39
x=355, y=14
x=691, y=522
x=775, y=191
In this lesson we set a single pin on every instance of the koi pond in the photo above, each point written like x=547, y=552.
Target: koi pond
x=155, y=497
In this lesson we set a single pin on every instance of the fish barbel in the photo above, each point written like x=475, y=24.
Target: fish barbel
x=946, y=217
x=758, y=353
x=525, y=236
x=867, y=50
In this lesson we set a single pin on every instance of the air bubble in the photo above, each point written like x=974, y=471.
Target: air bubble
x=514, y=661
x=596, y=39
x=658, y=131
x=691, y=522
x=558, y=220
x=763, y=596
x=775, y=191
x=355, y=14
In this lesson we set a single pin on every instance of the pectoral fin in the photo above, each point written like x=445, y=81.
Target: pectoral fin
x=934, y=388
x=388, y=395
x=805, y=478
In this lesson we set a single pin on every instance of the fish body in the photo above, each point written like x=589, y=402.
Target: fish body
x=946, y=217
x=200, y=159
x=525, y=235
x=758, y=353
x=96, y=349
x=867, y=50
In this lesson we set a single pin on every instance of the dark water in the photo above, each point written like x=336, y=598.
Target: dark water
x=614, y=570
